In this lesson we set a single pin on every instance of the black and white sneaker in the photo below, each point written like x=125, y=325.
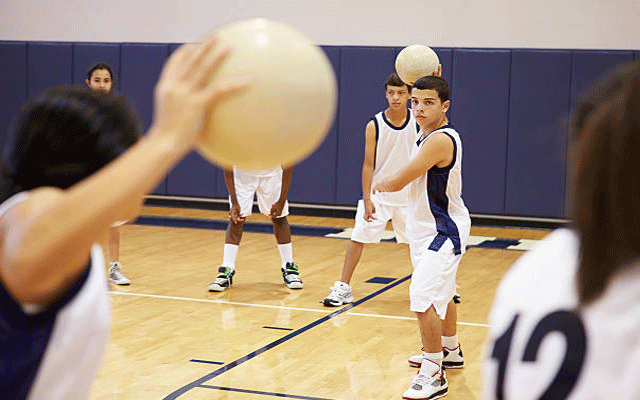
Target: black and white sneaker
x=223, y=280
x=291, y=275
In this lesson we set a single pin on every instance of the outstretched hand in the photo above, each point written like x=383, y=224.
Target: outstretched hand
x=185, y=94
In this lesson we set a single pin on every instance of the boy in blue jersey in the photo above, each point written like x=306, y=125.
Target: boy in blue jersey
x=438, y=227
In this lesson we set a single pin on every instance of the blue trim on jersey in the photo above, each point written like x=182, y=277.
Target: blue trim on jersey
x=375, y=152
x=437, y=180
x=397, y=128
x=24, y=339
x=422, y=139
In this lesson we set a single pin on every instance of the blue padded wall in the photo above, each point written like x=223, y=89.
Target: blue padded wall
x=511, y=107
x=314, y=179
x=445, y=55
x=537, y=140
x=588, y=66
x=140, y=67
x=221, y=186
x=193, y=176
x=480, y=103
x=86, y=55
x=363, y=72
x=49, y=65
x=13, y=83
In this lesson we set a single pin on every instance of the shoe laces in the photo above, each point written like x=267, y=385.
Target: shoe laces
x=420, y=381
x=338, y=292
x=292, y=268
x=224, y=273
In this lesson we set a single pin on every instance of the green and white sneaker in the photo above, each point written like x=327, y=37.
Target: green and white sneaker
x=223, y=280
x=291, y=275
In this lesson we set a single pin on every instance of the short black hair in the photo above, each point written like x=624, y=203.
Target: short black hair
x=100, y=65
x=394, y=80
x=63, y=136
x=436, y=83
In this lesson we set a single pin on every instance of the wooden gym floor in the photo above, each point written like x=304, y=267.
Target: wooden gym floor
x=172, y=339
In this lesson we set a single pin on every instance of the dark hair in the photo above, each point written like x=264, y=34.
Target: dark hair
x=63, y=136
x=394, y=80
x=434, y=83
x=604, y=195
x=98, y=66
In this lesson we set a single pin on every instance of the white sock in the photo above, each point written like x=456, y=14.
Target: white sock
x=229, y=255
x=450, y=342
x=431, y=364
x=286, y=253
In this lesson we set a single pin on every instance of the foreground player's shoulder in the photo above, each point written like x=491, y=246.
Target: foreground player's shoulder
x=540, y=279
x=25, y=204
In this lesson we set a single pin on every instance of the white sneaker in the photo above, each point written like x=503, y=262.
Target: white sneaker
x=427, y=388
x=340, y=294
x=116, y=276
x=450, y=358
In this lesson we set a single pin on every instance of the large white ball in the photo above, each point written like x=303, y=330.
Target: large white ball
x=290, y=104
x=415, y=61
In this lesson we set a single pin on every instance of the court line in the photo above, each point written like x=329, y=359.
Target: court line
x=318, y=231
x=290, y=396
x=157, y=296
x=199, y=382
x=206, y=362
x=278, y=328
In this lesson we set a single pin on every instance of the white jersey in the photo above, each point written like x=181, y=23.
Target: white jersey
x=54, y=354
x=540, y=348
x=393, y=150
x=436, y=211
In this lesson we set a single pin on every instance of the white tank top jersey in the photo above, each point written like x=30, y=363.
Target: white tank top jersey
x=393, y=150
x=539, y=347
x=54, y=354
x=436, y=211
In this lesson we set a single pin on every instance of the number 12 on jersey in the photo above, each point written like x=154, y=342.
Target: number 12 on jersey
x=569, y=325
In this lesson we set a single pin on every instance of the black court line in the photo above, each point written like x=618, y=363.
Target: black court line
x=199, y=382
x=206, y=362
x=275, y=327
x=298, y=230
x=256, y=227
x=290, y=396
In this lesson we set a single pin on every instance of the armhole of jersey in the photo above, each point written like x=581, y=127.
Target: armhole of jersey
x=455, y=155
x=375, y=153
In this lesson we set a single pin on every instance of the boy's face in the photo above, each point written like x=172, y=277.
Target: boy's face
x=427, y=108
x=397, y=96
x=100, y=80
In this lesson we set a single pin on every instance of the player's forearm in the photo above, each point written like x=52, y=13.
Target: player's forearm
x=367, y=179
